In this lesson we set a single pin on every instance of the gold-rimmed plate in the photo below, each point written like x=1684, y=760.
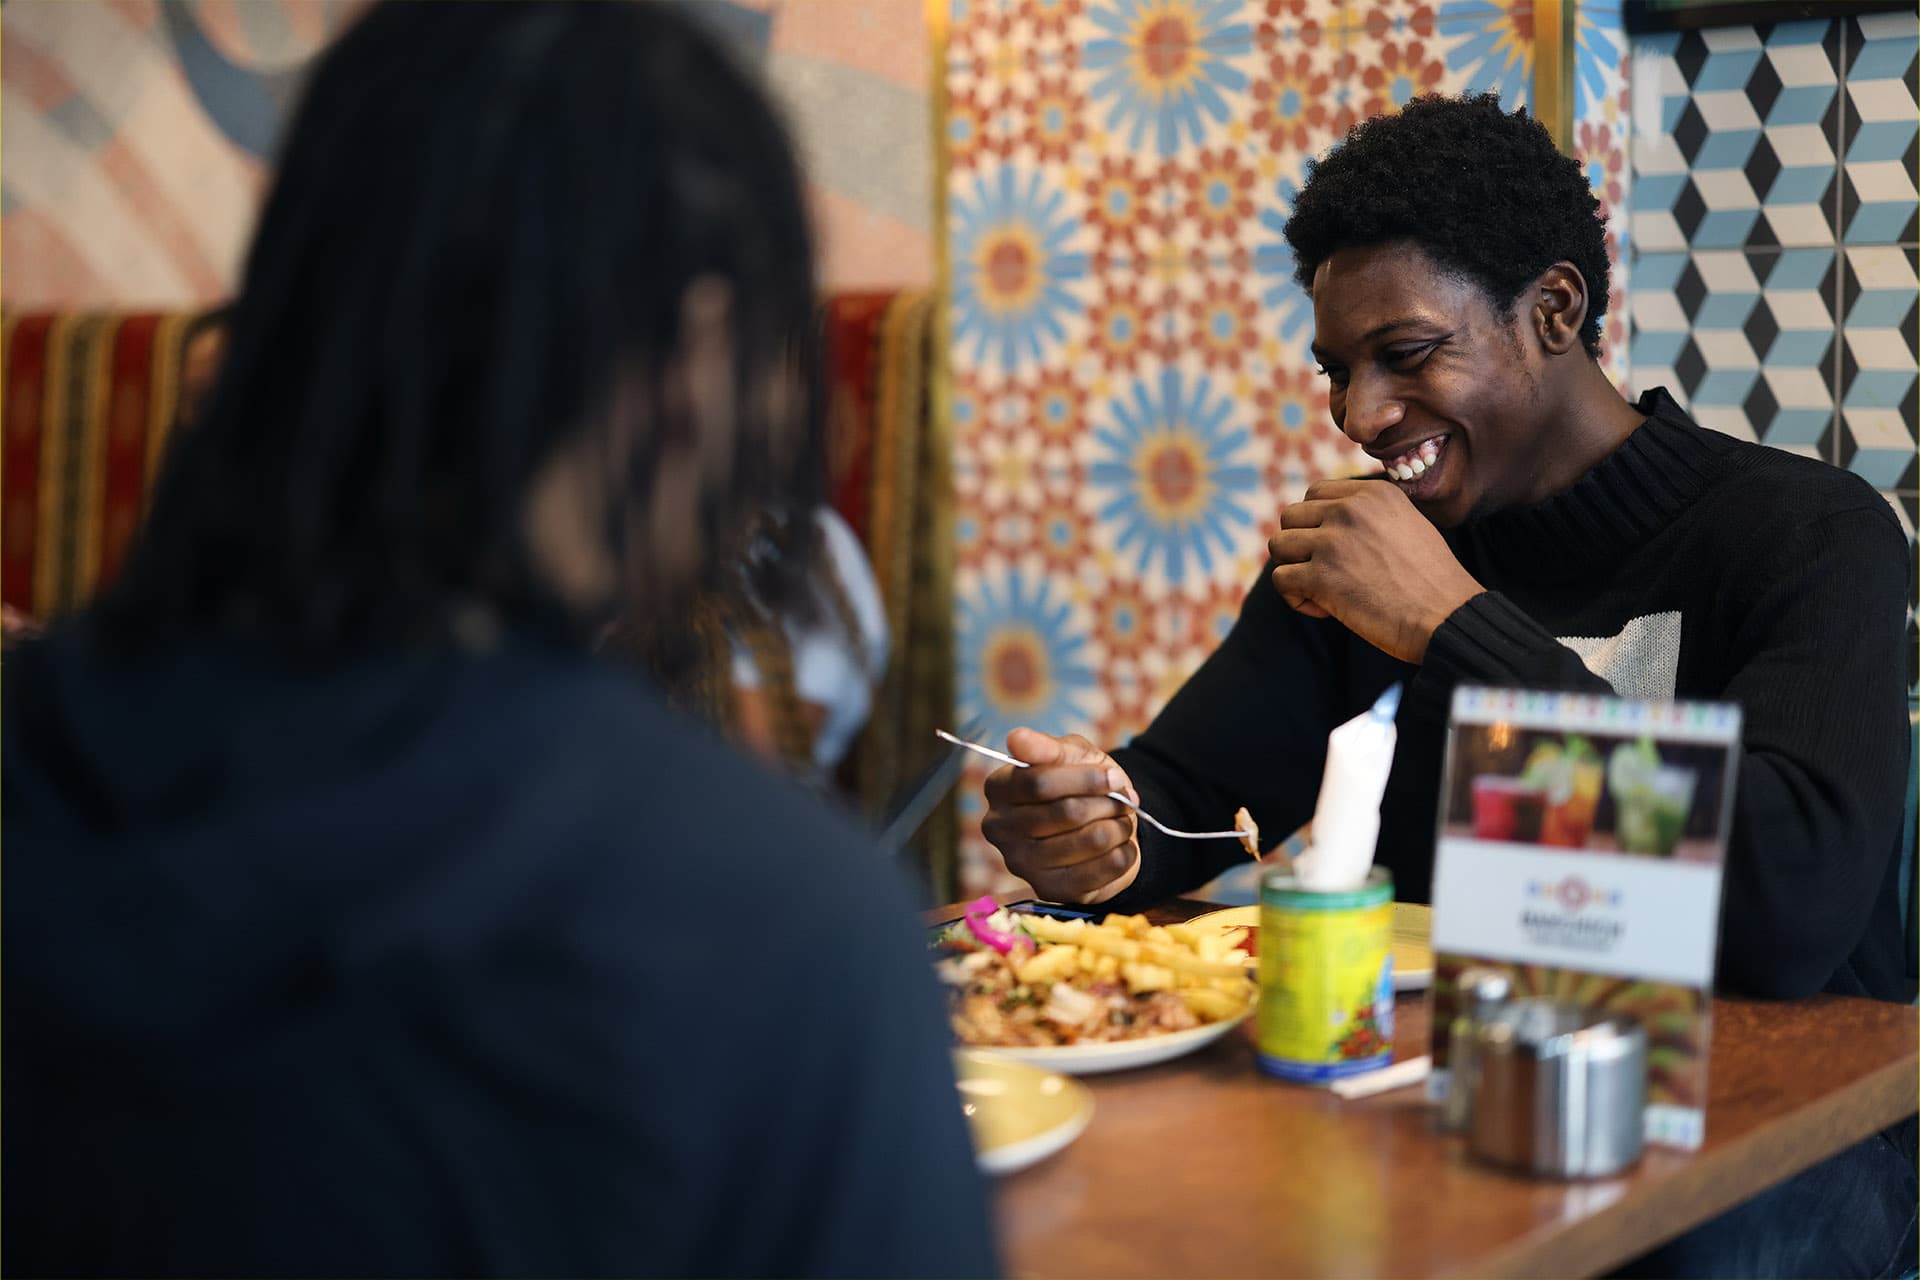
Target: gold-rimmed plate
x=1019, y=1114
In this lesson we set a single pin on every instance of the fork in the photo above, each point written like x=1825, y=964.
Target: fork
x=1237, y=833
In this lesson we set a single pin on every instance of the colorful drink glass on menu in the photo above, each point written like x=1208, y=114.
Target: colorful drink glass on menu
x=1507, y=809
x=1653, y=812
x=1567, y=819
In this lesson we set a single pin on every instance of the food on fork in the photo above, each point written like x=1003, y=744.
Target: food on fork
x=1018, y=980
x=1249, y=831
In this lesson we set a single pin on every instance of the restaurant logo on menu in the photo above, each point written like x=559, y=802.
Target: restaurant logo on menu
x=1574, y=913
x=1574, y=893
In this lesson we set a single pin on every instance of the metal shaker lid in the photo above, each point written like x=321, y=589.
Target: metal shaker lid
x=1483, y=990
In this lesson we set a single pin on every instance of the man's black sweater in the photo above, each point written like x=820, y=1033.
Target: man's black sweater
x=1688, y=564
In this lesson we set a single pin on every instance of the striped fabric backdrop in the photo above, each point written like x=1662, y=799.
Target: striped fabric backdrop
x=138, y=134
x=91, y=399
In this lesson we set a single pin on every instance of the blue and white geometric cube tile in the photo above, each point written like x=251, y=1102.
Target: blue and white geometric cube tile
x=1659, y=170
x=1743, y=338
x=1661, y=326
x=1877, y=364
x=1794, y=90
x=1877, y=199
x=1720, y=292
x=1791, y=331
x=1717, y=132
x=1734, y=133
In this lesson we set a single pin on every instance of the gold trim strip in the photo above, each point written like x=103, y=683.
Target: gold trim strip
x=942, y=841
x=1554, y=48
x=90, y=480
x=48, y=578
x=8, y=325
x=164, y=409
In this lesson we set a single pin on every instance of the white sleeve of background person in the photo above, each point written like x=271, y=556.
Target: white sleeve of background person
x=830, y=669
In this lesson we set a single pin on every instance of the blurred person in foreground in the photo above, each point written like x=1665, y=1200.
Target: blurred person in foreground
x=357, y=919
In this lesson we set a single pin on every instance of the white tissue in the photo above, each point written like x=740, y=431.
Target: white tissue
x=1368, y=1083
x=1346, y=819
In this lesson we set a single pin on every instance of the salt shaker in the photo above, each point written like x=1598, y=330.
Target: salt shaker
x=1482, y=993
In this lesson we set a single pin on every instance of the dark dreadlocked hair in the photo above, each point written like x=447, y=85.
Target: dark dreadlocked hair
x=484, y=225
x=1484, y=193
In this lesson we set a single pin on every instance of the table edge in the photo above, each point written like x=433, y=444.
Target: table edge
x=1650, y=1214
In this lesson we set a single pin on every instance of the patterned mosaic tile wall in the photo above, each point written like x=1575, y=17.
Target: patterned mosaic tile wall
x=1133, y=398
x=1774, y=226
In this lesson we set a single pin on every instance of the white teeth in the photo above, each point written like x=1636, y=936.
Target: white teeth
x=1415, y=462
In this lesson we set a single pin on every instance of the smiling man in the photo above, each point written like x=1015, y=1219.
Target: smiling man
x=1533, y=528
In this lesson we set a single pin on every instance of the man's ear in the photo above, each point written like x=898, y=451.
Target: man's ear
x=1559, y=308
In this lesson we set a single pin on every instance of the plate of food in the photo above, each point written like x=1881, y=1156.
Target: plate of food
x=1081, y=997
x=1019, y=1114
x=1412, y=939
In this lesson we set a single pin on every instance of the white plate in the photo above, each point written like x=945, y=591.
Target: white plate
x=1119, y=1055
x=1412, y=939
x=1018, y=1114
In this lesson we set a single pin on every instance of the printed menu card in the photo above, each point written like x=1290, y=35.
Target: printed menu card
x=1580, y=849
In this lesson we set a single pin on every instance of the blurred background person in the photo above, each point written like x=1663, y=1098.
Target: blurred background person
x=357, y=919
x=202, y=353
x=792, y=681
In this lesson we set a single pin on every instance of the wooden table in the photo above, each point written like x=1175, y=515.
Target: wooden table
x=1205, y=1166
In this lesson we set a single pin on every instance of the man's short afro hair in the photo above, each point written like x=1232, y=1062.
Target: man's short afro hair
x=1484, y=193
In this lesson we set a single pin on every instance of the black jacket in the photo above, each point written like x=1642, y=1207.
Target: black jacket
x=448, y=965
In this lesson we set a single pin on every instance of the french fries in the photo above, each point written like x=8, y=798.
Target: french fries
x=1211, y=1005
x=1198, y=965
x=1081, y=982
